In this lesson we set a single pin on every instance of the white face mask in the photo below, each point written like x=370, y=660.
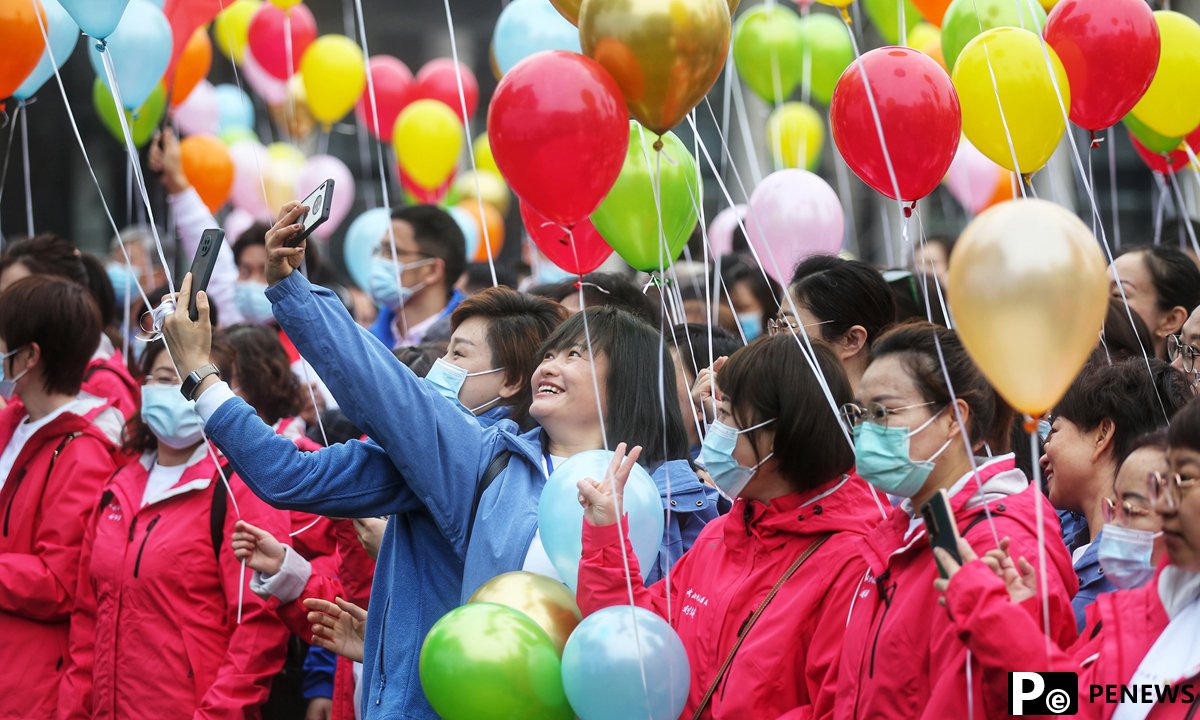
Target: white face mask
x=385, y=284
x=448, y=378
x=8, y=385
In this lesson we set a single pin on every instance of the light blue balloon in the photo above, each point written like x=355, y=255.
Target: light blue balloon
x=602, y=673
x=470, y=228
x=526, y=27
x=63, y=34
x=97, y=18
x=361, y=240
x=560, y=517
x=236, y=109
x=140, y=49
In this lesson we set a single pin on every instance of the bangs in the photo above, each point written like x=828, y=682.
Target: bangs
x=603, y=327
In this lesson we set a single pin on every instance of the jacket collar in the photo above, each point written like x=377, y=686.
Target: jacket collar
x=842, y=504
x=198, y=475
x=67, y=422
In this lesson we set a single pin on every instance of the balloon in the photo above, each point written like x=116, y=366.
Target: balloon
x=1031, y=110
x=722, y=227
x=1153, y=141
x=664, y=56
x=1167, y=162
x=187, y=18
x=281, y=175
x=966, y=19
x=797, y=135
x=1029, y=291
x=1087, y=35
x=237, y=222
x=208, y=168
x=886, y=16
x=362, y=237
x=438, y=80
x=139, y=49
x=482, y=149
x=793, y=214
x=193, y=66
x=63, y=34
x=393, y=83
x=250, y=161
x=428, y=139
x=235, y=110
x=484, y=661
x=553, y=114
x=416, y=194
x=973, y=179
x=317, y=170
x=489, y=227
x=1169, y=106
x=569, y=9
x=603, y=663
x=628, y=219
x=200, y=114
x=469, y=226
x=334, y=77
x=267, y=44
x=491, y=188
x=233, y=136
x=547, y=602
x=578, y=251
x=918, y=115
x=285, y=4
x=529, y=26
x=96, y=18
x=768, y=51
x=142, y=125
x=560, y=518
x=272, y=90
x=830, y=52
x=932, y=10
x=231, y=29
x=928, y=39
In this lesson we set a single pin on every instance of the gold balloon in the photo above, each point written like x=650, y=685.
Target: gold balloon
x=547, y=602
x=570, y=8
x=664, y=55
x=1028, y=292
x=491, y=188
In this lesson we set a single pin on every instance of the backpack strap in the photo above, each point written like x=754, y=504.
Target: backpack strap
x=216, y=517
x=494, y=468
x=58, y=451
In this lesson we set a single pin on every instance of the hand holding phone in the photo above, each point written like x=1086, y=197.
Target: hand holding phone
x=202, y=265
x=940, y=526
x=318, y=203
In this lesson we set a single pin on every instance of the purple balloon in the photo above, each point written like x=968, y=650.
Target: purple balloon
x=317, y=170
x=722, y=227
x=250, y=161
x=793, y=214
x=972, y=177
x=237, y=222
x=200, y=114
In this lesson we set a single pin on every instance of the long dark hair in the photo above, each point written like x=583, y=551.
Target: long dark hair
x=260, y=361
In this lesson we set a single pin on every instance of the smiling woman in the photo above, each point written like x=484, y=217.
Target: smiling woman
x=1161, y=285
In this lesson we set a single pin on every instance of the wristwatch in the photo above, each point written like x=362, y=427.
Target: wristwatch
x=194, y=378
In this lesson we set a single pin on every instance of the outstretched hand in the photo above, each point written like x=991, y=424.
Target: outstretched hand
x=338, y=626
x=281, y=259
x=599, y=499
x=257, y=548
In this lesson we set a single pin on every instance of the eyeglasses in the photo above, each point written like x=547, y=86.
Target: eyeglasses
x=1125, y=511
x=875, y=413
x=1170, y=487
x=1176, y=349
x=163, y=377
x=780, y=323
x=385, y=252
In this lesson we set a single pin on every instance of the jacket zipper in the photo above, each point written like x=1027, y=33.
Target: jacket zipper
x=886, y=594
x=12, y=498
x=379, y=662
x=137, y=564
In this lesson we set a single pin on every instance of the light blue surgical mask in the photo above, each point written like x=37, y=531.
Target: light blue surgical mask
x=448, y=379
x=122, y=279
x=251, y=300
x=881, y=457
x=730, y=476
x=1126, y=555
x=171, y=417
x=8, y=385
x=384, y=283
x=751, y=325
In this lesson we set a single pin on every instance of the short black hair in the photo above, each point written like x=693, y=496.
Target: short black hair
x=46, y=254
x=691, y=341
x=62, y=318
x=738, y=268
x=1185, y=427
x=479, y=276
x=844, y=293
x=256, y=234
x=1175, y=276
x=610, y=290
x=438, y=236
x=1122, y=339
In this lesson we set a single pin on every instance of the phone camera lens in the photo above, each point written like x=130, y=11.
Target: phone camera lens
x=316, y=208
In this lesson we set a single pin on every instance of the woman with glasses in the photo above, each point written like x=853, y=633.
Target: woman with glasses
x=1142, y=637
x=1161, y=284
x=1184, y=347
x=1131, y=544
x=915, y=436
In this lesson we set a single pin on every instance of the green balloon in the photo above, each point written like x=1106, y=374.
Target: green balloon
x=1154, y=142
x=143, y=122
x=767, y=36
x=966, y=19
x=885, y=14
x=628, y=219
x=828, y=41
x=235, y=135
x=484, y=661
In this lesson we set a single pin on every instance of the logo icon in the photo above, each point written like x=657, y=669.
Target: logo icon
x=1050, y=693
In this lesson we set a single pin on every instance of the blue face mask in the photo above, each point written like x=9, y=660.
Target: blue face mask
x=881, y=457
x=122, y=278
x=716, y=453
x=171, y=417
x=251, y=300
x=751, y=325
x=8, y=385
x=384, y=283
x=448, y=379
x=1126, y=555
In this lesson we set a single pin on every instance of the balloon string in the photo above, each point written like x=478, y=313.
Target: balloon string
x=237, y=512
x=846, y=195
x=1112, y=189
x=937, y=283
x=725, y=114
x=307, y=527
x=902, y=30
x=1181, y=212
x=289, y=107
x=24, y=108
x=1160, y=206
x=12, y=131
x=987, y=56
x=1039, y=511
x=739, y=104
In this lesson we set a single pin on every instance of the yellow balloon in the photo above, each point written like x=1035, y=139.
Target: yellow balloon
x=797, y=136
x=428, y=138
x=492, y=188
x=836, y=3
x=484, y=160
x=664, y=55
x=1029, y=292
x=1171, y=106
x=231, y=28
x=547, y=602
x=281, y=175
x=286, y=4
x=1048, y=5
x=1034, y=118
x=334, y=77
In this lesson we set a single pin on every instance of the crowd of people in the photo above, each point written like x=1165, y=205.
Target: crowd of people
x=262, y=512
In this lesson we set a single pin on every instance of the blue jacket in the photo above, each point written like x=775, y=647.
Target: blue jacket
x=1092, y=581
x=382, y=327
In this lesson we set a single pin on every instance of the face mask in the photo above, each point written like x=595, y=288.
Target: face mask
x=729, y=475
x=8, y=385
x=121, y=278
x=384, y=283
x=1125, y=555
x=448, y=379
x=251, y=300
x=751, y=325
x=881, y=458
x=171, y=417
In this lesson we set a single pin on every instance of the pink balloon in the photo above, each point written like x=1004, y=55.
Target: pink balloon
x=237, y=222
x=793, y=214
x=722, y=228
x=200, y=114
x=971, y=178
x=317, y=170
x=271, y=89
x=250, y=161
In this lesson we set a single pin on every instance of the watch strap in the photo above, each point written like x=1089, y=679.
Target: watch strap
x=192, y=382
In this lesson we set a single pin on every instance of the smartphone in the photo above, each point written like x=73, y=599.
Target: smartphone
x=317, y=202
x=940, y=525
x=202, y=265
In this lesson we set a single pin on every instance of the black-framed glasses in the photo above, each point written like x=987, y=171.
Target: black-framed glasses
x=855, y=414
x=1170, y=487
x=1177, y=348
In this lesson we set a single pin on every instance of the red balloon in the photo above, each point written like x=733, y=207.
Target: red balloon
x=1109, y=49
x=268, y=44
x=393, y=83
x=1172, y=161
x=431, y=196
x=438, y=80
x=559, y=131
x=579, y=250
x=185, y=17
x=918, y=112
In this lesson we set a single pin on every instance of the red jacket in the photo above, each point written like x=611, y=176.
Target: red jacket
x=902, y=656
x=793, y=648
x=155, y=634
x=109, y=378
x=45, y=501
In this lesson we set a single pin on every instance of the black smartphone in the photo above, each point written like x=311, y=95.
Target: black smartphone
x=940, y=525
x=317, y=202
x=202, y=265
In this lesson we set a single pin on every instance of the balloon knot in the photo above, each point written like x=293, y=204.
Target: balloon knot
x=101, y=45
x=1096, y=140
x=846, y=15
x=658, y=144
x=908, y=209
x=1030, y=424
x=581, y=284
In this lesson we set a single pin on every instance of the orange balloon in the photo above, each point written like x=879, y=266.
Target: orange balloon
x=193, y=66
x=1004, y=189
x=22, y=41
x=933, y=10
x=209, y=169
x=495, y=229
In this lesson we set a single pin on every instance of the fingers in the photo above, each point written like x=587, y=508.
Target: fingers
x=622, y=475
x=941, y=584
x=321, y=605
x=322, y=622
x=203, y=318
x=183, y=301
x=965, y=551
x=946, y=561
x=1028, y=572
x=591, y=493
x=355, y=611
x=289, y=212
